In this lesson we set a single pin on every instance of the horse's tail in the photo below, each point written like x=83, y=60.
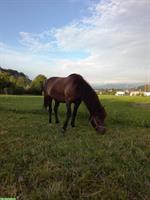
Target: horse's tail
x=46, y=97
x=46, y=101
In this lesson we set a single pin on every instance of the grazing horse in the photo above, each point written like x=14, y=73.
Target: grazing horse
x=74, y=89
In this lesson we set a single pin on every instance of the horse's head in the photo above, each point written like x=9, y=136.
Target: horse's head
x=97, y=121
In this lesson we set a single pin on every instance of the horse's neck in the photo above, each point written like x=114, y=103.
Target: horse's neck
x=91, y=100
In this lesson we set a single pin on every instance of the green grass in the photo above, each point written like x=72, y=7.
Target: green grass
x=38, y=163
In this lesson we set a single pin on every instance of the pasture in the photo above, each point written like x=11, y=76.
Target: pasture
x=38, y=163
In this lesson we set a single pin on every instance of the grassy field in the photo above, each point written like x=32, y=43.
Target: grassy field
x=38, y=163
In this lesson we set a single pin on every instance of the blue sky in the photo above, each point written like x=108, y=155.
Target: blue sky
x=37, y=15
x=105, y=41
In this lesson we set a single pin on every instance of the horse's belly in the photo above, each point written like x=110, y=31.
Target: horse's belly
x=58, y=97
x=63, y=99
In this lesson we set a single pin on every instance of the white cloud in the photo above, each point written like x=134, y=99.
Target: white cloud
x=116, y=37
x=35, y=42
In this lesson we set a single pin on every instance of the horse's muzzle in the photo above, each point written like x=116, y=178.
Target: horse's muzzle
x=101, y=129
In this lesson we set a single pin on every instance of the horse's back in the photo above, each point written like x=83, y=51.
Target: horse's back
x=73, y=86
x=62, y=89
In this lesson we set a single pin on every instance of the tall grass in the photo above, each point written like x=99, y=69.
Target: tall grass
x=38, y=162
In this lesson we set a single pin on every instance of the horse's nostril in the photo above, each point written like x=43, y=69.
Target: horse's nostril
x=101, y=130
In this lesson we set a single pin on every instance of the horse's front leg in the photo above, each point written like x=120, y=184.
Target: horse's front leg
x=68, y=115
x=50, y=109
x=55, y=111
x=76, y=106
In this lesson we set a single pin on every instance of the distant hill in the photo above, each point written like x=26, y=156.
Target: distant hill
x=15, y=73
x=14, y=82
x=117, y=86
x=121, y=86
x=143, y=87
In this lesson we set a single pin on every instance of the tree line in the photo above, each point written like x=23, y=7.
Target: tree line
x=14, y=82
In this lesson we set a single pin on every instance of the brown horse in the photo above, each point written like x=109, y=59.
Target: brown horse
x=74, y=89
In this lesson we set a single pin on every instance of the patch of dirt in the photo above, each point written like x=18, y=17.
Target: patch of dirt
x=143, y=105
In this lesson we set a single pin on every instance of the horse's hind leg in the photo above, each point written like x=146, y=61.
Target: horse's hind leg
x=55, y=111
x=76, y=106
x=68, y=115
x=50, y=109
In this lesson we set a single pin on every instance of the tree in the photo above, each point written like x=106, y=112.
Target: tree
x=37, y=84
x=12, y=79
x=5, y=83
x=21, y=82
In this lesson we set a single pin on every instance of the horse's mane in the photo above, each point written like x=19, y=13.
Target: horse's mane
x=90, y=97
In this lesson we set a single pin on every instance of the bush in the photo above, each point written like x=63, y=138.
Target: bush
x=19, y=90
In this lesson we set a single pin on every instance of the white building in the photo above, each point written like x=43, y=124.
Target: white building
x=146, y=94
x=120, y=93
x=134, y=93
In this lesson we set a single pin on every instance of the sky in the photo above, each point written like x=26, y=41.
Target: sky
x=106, y=41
